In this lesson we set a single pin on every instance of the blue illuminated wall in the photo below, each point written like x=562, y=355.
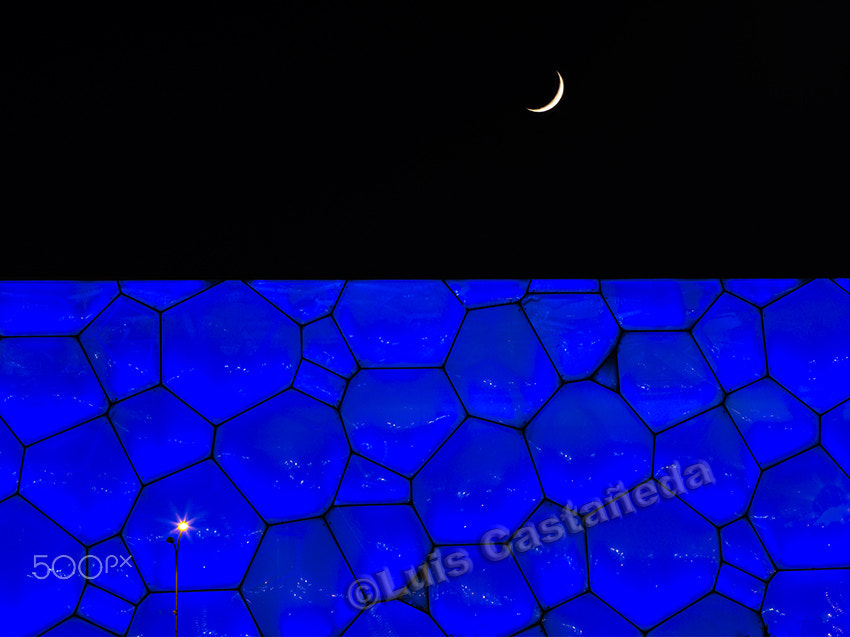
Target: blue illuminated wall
x=532, y=457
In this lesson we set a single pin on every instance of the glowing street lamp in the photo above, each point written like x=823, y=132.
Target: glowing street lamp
x=182, y=527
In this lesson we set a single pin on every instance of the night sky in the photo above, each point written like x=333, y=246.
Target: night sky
x=374, y=118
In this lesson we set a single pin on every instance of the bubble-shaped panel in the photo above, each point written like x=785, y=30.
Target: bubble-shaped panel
x=160, y=433
x=587, y=615
x=57, y=308
x=286, y=455
x=480, y=292
x=398, y=417
x=200, y=614
x=82, y=479
x=325, y=346
x=105, y=609
x=32, y=598
x=366, y=482
x=11, y=453
x=741, y=547
x=304, y=301
x=586, y=439
x=123, y=346
x=808, y=343
x=564, y=285
x=111, y=566
x=659, y=304
x=46, y=385
x=161, y=295
x=774, y=423
x=801, y=511
x=740, y=586
x=498, y=366
x=227, y=349
x=760, y=292
x=810, y=602
x=478, y=596
x=665, y=378
x=730, y=336
x=393, y=619
x=711, y=616
x=721, y=485
x=399, y=323
x=835, y=435
x=577, y=330
x=214, y=552
x=297, y=583
x=628, y=551
x=480, y=479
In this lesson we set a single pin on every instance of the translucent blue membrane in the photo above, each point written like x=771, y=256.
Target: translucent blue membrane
x=760, y=291
x=835, y=435
x=480, y=479
x=304, y=301
x=500, y=370
x=110, y=568
x=325, y=346
x=564, y=285
x=739, y=586
x=577, y=331
x=76, y=627
x=741, y=547
x=608, y=374
x=587, y=615
x=481, y=292
x=58, y=308
x=206, y=614
x=808, y=603
x=104, y=609
x=367, y=482
x=393, y=619
x=161, y=295
x=11, y=453
x=659, y=304
x=712, y=616
x=320, y=383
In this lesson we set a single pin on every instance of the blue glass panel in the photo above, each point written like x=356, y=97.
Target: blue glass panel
x=722, y=487
x=104, y=609
x=665, y=378
x=480, y=479
x=385, y=539
x=123, y=346
x=659, y=304
x=808, y=343
x=11, y=453
x=227, y=349
x=760, y=291
x=287, y=456
x=731, y=338
x=160, y=433
x=161, y=295
x=76, y=627
x=741, y=547
x=319, y=383
x=366, y=482
x=801, y=511
x=304, y=301
x=398, y=417
x=31, y=599
x=481, y=292
x=82, y=479
x=111, y=567
x=324, y=345
x=585, y=439
x=577, y=330
x=608, y=375
x=217, y=548
x=844, y=283
x=488, y=598
x=712, y=616
x=298, y=580
x=835, y=435
x=741, y=587
x=630, y=550
x=808, y=603
x=587, y=615
x=553, y=560
x=51, y=307
x=46, y=385
x=498, y=366
x=774, y=423
x=399, y=323
x=564, y=285
x=393, y=619
x=206, y=614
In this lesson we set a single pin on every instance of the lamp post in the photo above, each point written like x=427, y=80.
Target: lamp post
x=181, y=527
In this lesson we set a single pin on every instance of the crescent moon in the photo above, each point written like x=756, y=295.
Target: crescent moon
x=554, y=101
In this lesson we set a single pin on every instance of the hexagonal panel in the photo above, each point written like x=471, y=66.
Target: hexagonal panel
x=57, y=308
x=201, y=613
x=577, y=330
x=286, y=455
x=665, y=378
x=587, y=615
x=480, y=292
x=393, y=619
x=801, y=511
x=629, y=551
x=123, y=346
x=227, y=349
x=760, y=292
x=586, y=439
x=809, y=602
x=398, y=417
x=398, y=323
x=82, y=479
x=659, y=304
x=46, y=385
x=835, y=434
x=480, y=479
x=303, y=300
x=711, y=616
x=11, y=453
x=808, y=343
x=222, y=523
x=499, y=368
x=161, y=295
x=298, y=581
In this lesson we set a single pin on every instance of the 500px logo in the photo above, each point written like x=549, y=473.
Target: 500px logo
x=79, y=567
